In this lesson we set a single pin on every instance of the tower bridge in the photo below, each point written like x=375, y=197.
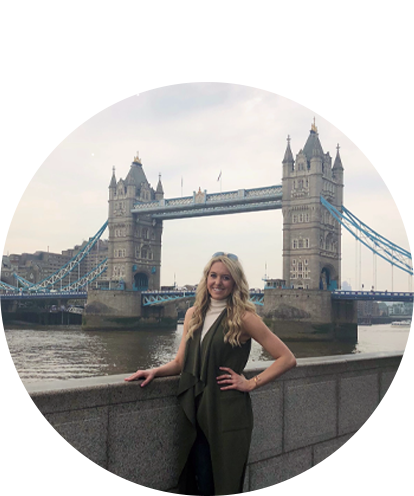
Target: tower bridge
x=311, y=200
x=311, y=235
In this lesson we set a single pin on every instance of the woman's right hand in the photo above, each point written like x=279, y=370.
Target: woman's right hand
x=147, y=375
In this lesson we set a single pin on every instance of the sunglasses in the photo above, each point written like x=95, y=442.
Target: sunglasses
x=228, y=255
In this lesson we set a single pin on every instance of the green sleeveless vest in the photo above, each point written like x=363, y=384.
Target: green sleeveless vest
x=225, y=417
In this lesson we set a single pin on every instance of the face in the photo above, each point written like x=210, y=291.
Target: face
x=219, y=281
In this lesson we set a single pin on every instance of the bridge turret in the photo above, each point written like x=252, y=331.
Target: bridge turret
x=313, y=147
x=288, y=159
x=137, y=179
x=112, y=184
x=288, y=164
x=131, y=187
x=159, y=192
x=313, y=151
x=338, y=178
x=337, y=168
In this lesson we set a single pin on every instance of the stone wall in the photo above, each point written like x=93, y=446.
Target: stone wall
x=300, y=419
x=298, y=304
x=301, y=315
x=113, y=310
x=114, y=303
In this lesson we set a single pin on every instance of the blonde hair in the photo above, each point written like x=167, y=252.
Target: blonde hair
x=238, y=302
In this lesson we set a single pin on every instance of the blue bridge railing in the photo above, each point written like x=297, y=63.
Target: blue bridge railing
x=150, y=298
x=372, y=295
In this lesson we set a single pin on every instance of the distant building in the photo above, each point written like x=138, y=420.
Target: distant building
x=402, y=309
x=6, y=270
x=383, y=309
x=368, y=309
x=35, y=267
x=95, y=257
x=275, y=284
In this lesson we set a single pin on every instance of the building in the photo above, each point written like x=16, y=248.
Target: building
x=311, y=236
x=35, y=267
x=368, y=309
x=275, y=284
x=6, y=270
x=134, y=249
x=97, y=254
x=401, y=309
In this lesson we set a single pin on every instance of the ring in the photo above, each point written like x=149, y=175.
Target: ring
x=229, y=376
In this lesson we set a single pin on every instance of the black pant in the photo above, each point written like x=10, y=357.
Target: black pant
x=200, y=459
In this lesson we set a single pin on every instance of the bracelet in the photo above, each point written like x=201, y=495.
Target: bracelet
x=256, y=379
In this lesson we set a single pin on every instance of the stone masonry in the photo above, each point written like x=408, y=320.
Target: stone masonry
x=311, y=236
x=134, y=252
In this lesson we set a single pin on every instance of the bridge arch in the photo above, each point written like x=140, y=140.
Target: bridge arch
x=140, y=281
x=328, y=279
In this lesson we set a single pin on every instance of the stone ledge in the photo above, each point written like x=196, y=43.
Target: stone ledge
x=318, y=364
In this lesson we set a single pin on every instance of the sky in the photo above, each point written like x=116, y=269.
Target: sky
x=193, y=132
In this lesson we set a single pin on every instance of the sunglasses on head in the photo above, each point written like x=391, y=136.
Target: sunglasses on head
x=228, y=255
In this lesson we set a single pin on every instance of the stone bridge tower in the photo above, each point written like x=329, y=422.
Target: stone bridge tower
x=311, y=236
x=134, y=251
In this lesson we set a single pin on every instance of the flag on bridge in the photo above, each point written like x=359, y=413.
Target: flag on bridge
x=218, y=179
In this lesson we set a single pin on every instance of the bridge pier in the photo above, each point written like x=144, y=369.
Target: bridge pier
x=122, y=310
x=310, y=315
x=293, y=314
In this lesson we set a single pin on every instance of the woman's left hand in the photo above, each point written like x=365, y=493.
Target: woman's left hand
x=233, y=381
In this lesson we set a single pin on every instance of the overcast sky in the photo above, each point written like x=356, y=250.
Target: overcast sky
x=194, y=131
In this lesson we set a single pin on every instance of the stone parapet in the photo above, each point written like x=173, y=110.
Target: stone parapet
x=300, y=419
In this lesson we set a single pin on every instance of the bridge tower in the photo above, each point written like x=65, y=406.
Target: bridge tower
x=311, y=237
x=134, y=251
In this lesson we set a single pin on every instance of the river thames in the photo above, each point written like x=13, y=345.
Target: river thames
x=70, y=353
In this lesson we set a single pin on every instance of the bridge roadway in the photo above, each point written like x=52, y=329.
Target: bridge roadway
x=150, y=298
x=159, y=297
x=64, y=295
x=373, y=296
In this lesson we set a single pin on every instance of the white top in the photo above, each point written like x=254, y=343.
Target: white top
x=216, y=307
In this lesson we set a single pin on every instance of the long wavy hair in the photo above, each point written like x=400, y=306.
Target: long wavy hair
x=238, y=302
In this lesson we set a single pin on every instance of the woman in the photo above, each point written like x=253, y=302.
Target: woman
x=216, y=414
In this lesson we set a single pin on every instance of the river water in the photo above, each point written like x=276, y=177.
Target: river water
x=69, y=353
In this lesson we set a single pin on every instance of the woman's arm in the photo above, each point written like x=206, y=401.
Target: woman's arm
x=255, y=328
x=175, y=366
x=171, y=368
